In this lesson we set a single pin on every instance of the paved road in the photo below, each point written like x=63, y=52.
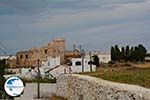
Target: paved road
x=30, y=91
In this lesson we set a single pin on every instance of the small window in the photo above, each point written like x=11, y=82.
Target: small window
x=21, y=56
x=26, y=56
x=78, y=63
x=46, y=51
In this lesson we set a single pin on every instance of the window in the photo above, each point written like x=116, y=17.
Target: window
x=90, y=62
x=21, y=56
x=78, y=63
x=26, y=56
x=104, y=58
x=86, y=62
x=70, y=64
x=46, y=51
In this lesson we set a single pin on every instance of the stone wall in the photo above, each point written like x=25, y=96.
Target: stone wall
x=78, y=87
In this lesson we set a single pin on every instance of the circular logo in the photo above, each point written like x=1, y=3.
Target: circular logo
x=14, y=86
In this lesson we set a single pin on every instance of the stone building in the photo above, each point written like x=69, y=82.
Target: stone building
x=29, y=58
x=72, y=54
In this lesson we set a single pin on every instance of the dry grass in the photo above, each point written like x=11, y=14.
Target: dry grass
x=129, y=74
x=54, y=97
x=142, y=65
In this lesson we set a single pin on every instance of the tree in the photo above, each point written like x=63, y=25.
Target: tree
x=127, y=50
x=113, y=54
x=148, y=55
x=3, y=66
x=136, y=53
x=142, y=52
x=2, y=72
x=131, y=55
x=122, y=53
x=127, y=53
x=95, y=60
x=117, y=53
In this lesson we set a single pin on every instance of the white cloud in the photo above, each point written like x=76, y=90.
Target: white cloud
x=91, y=17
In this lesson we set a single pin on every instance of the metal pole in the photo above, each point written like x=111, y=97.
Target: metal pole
x=82, y=60
x=80, y=48
x=74, y=47
x=90, y=62
x=82, y=64
x=38, y=83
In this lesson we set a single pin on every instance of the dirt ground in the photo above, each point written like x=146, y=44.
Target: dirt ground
x=57, y=98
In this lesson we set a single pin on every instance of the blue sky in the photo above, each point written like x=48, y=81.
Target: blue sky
x=95, y=24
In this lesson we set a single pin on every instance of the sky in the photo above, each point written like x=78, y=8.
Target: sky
x=94, y=24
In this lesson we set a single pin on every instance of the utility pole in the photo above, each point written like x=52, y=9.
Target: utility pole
x=74, y=47
x=82, y=55
x=80, y=48
x=38, y=81
x=90, y=61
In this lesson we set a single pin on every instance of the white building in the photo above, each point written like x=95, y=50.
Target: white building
x=52, y=67
x=76, y=65
x=51, y=62
x=104, y=57
x=147, y=58
x=7, y=57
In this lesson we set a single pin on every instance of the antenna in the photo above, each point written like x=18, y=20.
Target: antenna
x=74, y=47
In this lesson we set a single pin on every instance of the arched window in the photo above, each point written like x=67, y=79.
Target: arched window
x=78, y=63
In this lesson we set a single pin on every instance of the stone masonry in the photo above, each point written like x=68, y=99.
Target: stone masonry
x=29, y=58
x=79, y=87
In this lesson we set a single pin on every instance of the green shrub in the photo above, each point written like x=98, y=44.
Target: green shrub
x=111, y=62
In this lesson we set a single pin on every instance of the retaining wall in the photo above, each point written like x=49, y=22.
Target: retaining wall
x=79, y=87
